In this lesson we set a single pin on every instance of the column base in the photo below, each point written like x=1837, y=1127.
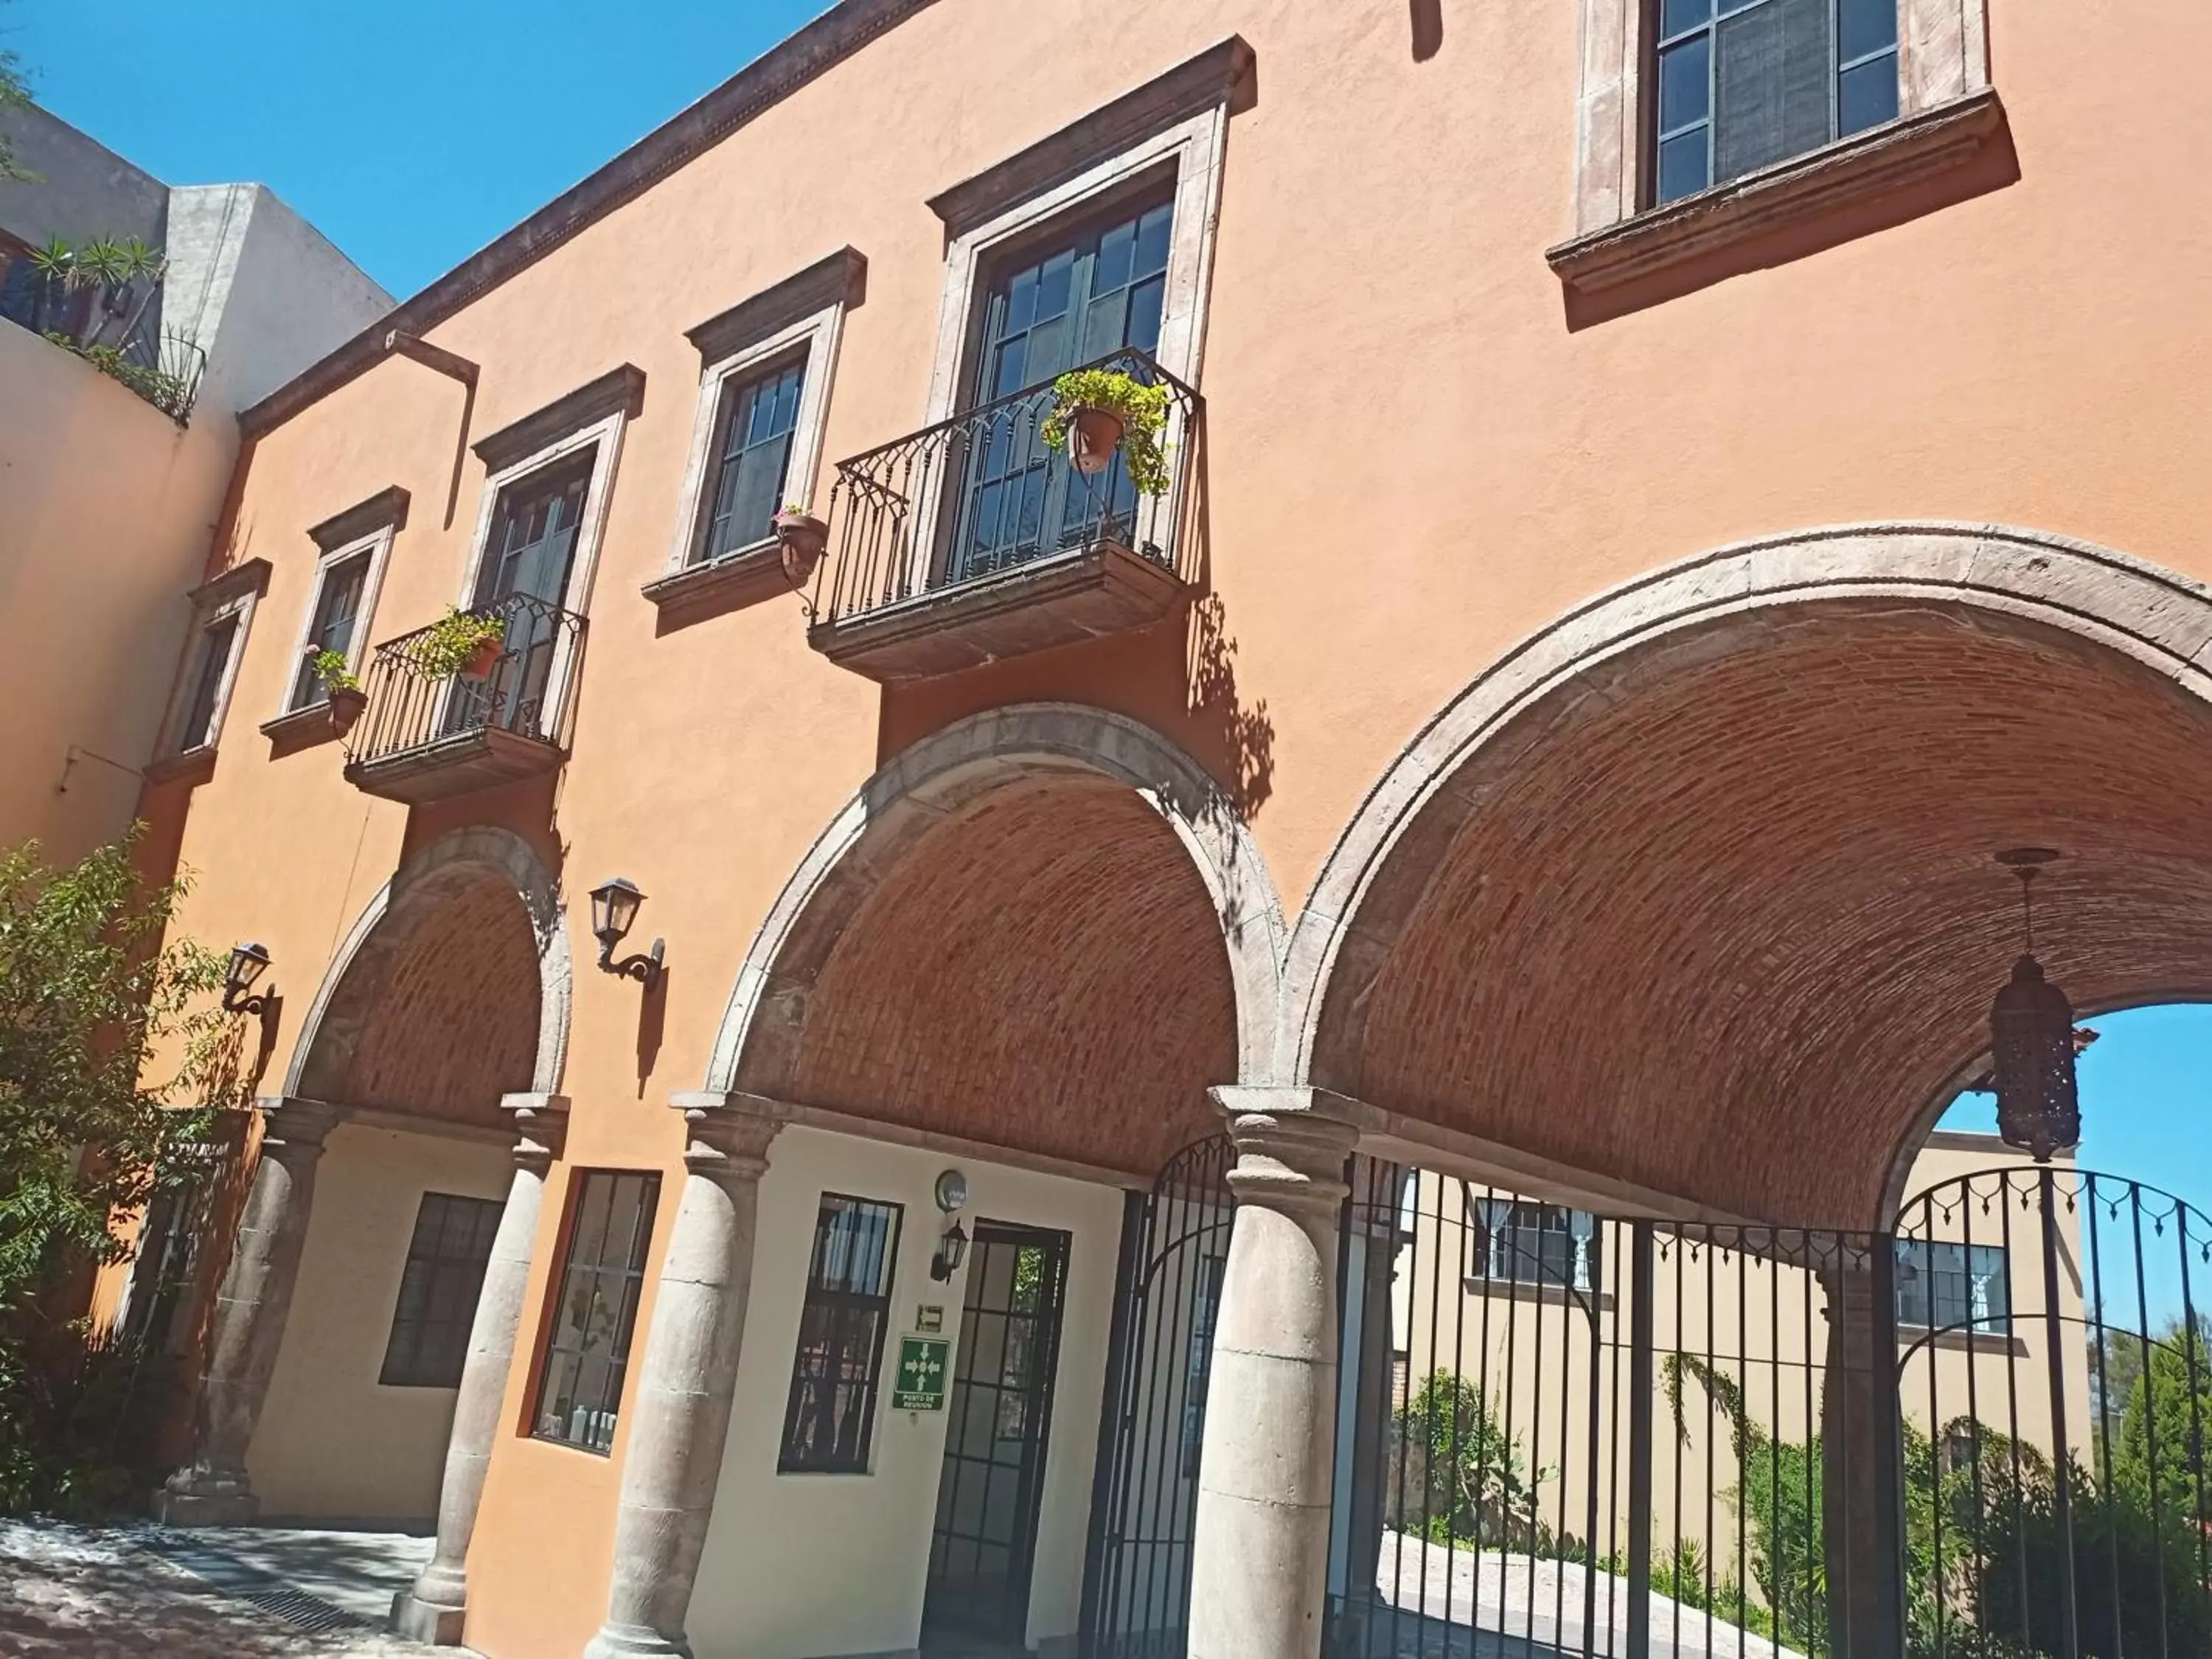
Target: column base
x=636, y=1642
x=429, y=1622
x=209, y=1508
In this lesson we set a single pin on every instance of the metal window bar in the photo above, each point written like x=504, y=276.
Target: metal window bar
x=529, y=693
x=977, y=496
x=829, y=1415
x=446, y=1256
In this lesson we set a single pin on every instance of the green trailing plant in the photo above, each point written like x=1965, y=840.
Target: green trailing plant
x=1143, y=412
x=165, y=391
x=1458, y=1476
x=454, y=639
x=329, y=667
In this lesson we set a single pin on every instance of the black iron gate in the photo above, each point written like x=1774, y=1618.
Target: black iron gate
x=1175, y=1247
x=2056, y=1374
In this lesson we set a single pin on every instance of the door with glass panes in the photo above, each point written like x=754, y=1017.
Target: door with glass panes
x=524, y=580
x=1093, y=290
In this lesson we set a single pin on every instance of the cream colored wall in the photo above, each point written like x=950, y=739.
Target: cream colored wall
x=333, y=1442
x=106, y=510
x=799, y=1566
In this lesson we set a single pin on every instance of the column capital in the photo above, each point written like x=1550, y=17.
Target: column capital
x=727, y=1132
x=295, y=1122
x=1291, y=1143
x=541, y=1127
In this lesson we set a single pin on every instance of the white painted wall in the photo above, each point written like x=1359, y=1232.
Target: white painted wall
x=803, y=1566
x=333, y=1442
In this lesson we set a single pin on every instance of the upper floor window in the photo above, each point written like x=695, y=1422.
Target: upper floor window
x=332, y=626
x=349, y=569
x=1941, y=1286
x=1745, y=83
x=1516, y=1242
x=757, y=417
x=223, y=611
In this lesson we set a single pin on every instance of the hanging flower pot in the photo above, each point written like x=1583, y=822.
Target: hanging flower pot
x=804, y=537
x=1093, y=435
x=460, y=643
x=348, y=703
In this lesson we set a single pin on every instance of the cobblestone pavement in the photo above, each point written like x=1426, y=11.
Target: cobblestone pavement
x=138, y=1592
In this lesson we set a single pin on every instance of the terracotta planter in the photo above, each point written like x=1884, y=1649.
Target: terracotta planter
x=479, y=662
x=1093, y=435
x=804, y=537
x=347, y=704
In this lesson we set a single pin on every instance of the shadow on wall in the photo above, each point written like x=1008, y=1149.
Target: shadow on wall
x=1428, y=21
x=1234, y=742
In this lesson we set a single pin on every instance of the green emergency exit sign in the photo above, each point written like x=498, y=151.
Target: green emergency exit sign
x=921, y=1383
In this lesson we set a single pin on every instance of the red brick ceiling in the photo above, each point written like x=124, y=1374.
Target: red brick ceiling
x=1727, y=933
x=1044, y=971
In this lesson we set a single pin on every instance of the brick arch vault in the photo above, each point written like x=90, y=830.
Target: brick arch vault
x=1043, y=927
x=1693, y=889
x=451, y=991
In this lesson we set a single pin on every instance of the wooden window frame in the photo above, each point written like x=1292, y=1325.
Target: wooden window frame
x=623, y=1349
x=420, y=1366
x=861, y=1461
x=235, y=593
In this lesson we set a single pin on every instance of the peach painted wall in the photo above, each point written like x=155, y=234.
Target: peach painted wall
x=1414, y=462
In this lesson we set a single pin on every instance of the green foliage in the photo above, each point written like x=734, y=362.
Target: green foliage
x=1143, y=410
x=165, y=390
x=81, y=1437
x=329, y=667
x=2161, y=1456
x=454, y=639
x=1459, y=1477
x=90, y=997
x=15, y=93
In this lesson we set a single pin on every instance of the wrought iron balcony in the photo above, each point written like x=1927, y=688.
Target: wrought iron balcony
x=970, y=540
x=427, y=737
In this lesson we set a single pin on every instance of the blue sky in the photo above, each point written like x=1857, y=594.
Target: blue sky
x=410, y=132
x=411, y=158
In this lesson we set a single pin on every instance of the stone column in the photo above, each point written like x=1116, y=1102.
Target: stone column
x=432, y=1609
x=248, y=1324
x=1863, y=1509
x=681, y=1415
x=1259, y=1556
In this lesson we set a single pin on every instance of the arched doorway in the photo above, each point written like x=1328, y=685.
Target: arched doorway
x=1692, y=897
x=1020, y=957
x=386, y=1175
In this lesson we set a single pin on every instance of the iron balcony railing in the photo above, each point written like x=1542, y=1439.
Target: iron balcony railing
x=528, y=694
x=979, y=494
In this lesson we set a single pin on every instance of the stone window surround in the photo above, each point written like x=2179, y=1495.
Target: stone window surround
x=369, y=528
x=732, y=348
x=1175, y=126
x=1945, y=110
x=594, y=417
x=236, y=592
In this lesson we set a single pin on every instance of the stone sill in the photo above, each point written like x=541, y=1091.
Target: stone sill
x=1966, y=1341
x=730, y=583
x=191, y=766
x=1846, y=174
x=301, y=728
x=1542, y=1291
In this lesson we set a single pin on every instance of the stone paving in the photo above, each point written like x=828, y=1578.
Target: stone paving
x=131, y=1591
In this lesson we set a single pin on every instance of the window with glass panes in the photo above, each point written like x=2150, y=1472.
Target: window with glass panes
x=338, y=613
x=1942, y=1286
x=751, y=454
x=581, y=1383
x=438, y=1290
x=1521, y=1242
x=1742, y=83
x=196, y=728
x=1098, y=288
x=836, y=1374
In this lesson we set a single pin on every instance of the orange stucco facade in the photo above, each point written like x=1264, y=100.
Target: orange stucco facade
x=1420, y=450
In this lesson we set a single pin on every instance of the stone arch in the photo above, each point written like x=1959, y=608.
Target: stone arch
x=480, y=904
x=1888, y=614
x=1005, y=762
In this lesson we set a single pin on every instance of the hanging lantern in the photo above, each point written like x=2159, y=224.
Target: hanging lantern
x=2032, y=1041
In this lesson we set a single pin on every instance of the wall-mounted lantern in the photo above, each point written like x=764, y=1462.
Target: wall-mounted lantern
x=952, y=1243
x=248, y=962
x=613, y=909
